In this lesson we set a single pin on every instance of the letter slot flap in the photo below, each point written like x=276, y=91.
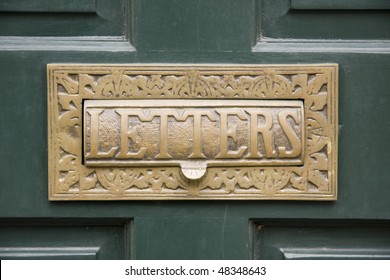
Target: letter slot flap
x=193, y=135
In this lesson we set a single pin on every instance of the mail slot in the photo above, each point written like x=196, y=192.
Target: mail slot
x=168, y=133
x=192, y=132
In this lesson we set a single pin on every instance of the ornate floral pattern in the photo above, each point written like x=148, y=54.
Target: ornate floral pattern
x=69, y=85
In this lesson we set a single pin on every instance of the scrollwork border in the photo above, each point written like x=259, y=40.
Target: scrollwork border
x=70, y=84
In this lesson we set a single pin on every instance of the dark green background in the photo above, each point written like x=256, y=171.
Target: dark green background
x=195, y=31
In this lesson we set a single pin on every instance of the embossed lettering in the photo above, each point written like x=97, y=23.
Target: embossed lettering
x=229, y=132
x=127, y=134
x=94, y=142
x=207, y=134
x=197, y=115
x=163, y=154
x=264, y=130
x=296, y=145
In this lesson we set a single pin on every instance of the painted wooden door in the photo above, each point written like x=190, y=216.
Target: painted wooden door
x=353, y=34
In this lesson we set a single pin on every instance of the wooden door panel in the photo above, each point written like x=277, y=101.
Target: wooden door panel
x=61, y=18
x=75, y=239
x=331, y=20
x=60, y=25
x=322, y=240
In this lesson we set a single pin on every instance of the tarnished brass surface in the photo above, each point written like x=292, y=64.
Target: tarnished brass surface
x=192, y=132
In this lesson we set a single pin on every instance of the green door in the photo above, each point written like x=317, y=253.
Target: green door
x=353, y=34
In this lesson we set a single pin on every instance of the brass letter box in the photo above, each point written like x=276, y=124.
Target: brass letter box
x=192, y=132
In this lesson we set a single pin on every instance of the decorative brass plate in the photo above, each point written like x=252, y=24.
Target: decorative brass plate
x=141, y=132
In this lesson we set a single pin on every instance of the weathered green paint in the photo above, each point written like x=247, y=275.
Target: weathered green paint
x=325, y=240
x=194, y=25
x=309, y=19
x=62, y=18
x=65, y=239
x=214, y=31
